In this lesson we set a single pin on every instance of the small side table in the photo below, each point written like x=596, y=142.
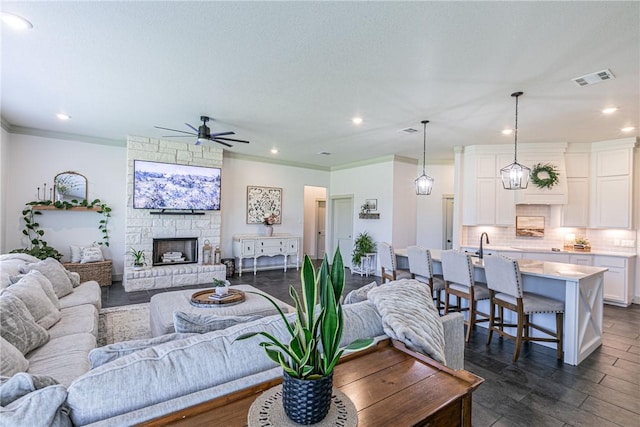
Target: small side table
x=369, y=263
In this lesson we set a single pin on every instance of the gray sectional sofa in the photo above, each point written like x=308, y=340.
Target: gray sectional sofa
x=135, y=381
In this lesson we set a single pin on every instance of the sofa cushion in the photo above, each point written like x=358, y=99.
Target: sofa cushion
x=64, y=358
x=76, y=320
x=44, y=283
x=10, y=265
x=29, y=290
x=32, y=401
x=87, y=293
x=101, y=355
x=18, y=326
x=360, y=294
x=11, y=360
x=55, y=272
x=203, y=323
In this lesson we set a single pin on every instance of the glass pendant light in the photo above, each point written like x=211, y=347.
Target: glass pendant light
x=515, y=176
x=424, y=183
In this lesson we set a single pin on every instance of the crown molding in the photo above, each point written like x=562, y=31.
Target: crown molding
x=240, y=156
x=21, y=130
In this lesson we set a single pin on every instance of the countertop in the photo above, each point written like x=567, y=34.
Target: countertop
x=548, y=251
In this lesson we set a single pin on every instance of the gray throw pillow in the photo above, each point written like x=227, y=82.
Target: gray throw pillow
x=73, y=277
x=55, y=272
x=29, y=290
x=101, y=355
x=18, y=326
x=360, y=294
x=34, y=401
x=11, y=360
x=44, y=283
x=202, y=323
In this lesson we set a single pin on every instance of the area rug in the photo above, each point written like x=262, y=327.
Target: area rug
x=128, y=322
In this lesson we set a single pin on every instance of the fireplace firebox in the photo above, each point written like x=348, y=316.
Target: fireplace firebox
x=175, y=250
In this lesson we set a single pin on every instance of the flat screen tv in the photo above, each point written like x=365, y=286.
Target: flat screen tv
x=170, y=186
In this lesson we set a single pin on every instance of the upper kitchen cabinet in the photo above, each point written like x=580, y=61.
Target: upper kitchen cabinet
x=612, y=183
x=577, y=161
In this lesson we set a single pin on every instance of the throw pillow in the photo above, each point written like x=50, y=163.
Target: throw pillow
x=34, y=401
x=101, y=355
x=73, y=277
x=91, y=254
x=18, y=327
x=360, y=294
x=55, y=272
x=201, y=323
x=28, y=289
x=11, y=360
x=44, y=283
x=76, y=251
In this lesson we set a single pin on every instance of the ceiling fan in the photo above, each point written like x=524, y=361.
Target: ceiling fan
x=204, y=134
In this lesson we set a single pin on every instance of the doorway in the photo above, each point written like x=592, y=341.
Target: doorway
x=447, y=221
x=342, y=226
x=321, y=228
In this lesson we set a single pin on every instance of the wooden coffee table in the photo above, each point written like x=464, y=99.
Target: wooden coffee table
x=389, y=385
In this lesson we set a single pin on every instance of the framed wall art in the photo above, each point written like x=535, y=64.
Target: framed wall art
x=530, y=226
x=263, y=202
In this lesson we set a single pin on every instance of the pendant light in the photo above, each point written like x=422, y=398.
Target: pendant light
x=424, y=183
x=515, y=176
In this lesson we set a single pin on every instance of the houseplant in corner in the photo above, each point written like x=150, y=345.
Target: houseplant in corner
x=309, y=358
x=138, y=258
x=362, y=245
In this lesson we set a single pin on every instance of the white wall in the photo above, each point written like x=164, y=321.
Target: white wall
x=32, y=161
x=430, y=221
x=4, y=148
x=404, y=204
x=311, y=195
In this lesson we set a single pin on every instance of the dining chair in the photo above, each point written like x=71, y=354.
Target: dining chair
x=457, y=270
x=505, y=287
x=421, y=269
x=388, y=266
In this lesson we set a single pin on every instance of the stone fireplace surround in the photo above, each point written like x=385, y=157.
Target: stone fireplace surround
x=141, y=227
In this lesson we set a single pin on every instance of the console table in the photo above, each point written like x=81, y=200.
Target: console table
x=388, y=384
x=256, y=246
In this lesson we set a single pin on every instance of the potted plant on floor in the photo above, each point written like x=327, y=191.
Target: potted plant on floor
x=312, y=353
x=221, y=286
x=138, y=258
x=362, y=245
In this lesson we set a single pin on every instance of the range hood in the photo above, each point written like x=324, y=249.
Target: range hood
x=533, y=195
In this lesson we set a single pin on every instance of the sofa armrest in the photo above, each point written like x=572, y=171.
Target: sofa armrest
x=453, y=326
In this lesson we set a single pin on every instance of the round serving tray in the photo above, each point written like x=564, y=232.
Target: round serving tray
x=201, y=298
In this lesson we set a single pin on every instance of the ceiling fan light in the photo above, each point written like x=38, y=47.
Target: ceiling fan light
x=424, y=185
x=515, y=176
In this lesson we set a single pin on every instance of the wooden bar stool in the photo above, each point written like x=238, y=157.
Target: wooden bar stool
x=421, y=269
x=388, y=266
x=505, y=287
x=457, y=270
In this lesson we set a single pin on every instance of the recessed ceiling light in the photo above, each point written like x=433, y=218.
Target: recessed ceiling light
x=274, y=151
x=627, y=129
x=357, y=120
x=63, y=116
x=609, y=110
x=507, y=131
x=16, y=22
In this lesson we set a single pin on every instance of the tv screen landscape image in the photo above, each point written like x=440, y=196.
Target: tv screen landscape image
x=170, y=186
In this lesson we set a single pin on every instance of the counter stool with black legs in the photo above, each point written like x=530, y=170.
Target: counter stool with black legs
x=421, y=269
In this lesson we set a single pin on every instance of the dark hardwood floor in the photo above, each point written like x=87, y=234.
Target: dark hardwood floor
x=537, y=390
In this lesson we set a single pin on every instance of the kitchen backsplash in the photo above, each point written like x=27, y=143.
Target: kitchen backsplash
x=611, y=240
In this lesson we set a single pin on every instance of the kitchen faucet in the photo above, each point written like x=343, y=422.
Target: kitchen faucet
x=480, y=251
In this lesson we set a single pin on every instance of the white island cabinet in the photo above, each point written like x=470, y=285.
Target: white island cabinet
x=256, y=246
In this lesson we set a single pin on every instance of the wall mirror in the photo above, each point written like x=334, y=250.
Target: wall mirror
x=70, y=186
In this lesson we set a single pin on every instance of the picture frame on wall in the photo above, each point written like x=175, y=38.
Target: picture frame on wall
x=263, y=202
x=372, y=204
x=530, y=226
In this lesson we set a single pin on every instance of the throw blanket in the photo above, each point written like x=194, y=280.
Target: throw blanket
x=409, y=315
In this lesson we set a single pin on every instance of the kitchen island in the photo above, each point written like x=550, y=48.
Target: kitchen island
x=579, y=286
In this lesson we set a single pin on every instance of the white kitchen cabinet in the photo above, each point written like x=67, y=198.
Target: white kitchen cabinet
x=618, y=280
x=556, y=195
x=576, y=212
x=255, y=246
x=580, y=259
x=547, y=256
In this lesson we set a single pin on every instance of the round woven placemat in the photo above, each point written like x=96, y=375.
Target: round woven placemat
x=267, y=410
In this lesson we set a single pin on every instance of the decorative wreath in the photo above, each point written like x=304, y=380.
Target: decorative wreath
x=549, y=176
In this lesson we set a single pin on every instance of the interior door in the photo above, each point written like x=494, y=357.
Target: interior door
x=447, y=219
x=321, y=228
x=342, y=227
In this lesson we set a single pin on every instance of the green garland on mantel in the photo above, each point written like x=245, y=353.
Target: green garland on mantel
x=548, y=170
x=39, y=247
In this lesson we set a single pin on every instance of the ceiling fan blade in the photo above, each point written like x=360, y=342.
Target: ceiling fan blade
x=234, y=140
x=214, y=135
x=220, y=142
x=175, y=130
x=177, y=136
x=191, y=127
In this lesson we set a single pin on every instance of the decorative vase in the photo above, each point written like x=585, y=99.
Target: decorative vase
x=222, y=290
x=306, y=401
x=268, y=230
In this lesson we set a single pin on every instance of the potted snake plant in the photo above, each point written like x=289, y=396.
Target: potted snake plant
x=309, y=358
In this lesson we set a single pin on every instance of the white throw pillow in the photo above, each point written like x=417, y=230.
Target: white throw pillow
x=19, y=328
x=11, y=360
x=30, y=292
x=46, y=285
x=91, y=254
x=55, y=272
x=360, y=294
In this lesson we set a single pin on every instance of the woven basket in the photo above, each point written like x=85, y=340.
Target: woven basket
x=99, y=271
x=306, y=401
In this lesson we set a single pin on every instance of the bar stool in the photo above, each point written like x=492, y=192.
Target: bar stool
x=505, y=287
x=421, y=269
x=457, y=270
x=388, y=266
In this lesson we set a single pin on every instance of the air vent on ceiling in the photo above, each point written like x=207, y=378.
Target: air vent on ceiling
x=409, y=130
x=593, y=78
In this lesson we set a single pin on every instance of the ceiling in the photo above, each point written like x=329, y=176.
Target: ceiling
x=291, y=75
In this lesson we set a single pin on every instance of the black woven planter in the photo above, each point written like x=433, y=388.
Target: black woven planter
x=306, y=401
